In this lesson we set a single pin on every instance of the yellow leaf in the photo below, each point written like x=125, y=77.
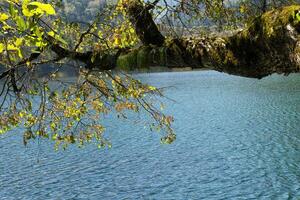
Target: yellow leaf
x=26, y=12
x=47, y=8
x=11, y=47
x=117, y=41
x=3, y=17
x=2, y=47
x=51, y=33
x=21, y=114
x=152, y=88
x=36, y=8
x=19, y=42
x=242, y=9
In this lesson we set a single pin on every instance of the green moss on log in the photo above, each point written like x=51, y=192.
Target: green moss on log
x=127, y=61
x=269, y=44
x=270, y=23
x=174, y=54
x=143, y=57
x=158, y=56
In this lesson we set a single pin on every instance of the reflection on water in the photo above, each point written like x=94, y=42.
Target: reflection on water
x=237, y=138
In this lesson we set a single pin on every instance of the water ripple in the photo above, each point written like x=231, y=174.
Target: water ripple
x=238, y=138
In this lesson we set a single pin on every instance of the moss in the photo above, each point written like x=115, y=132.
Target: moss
x=158, y=56
x=273, y=21
x=162, y=56
x=127, y=61
x=215, y=56
x=266, y=34
x=175, y=49
x=230, y=58
x=143, y=57
x=173, y=54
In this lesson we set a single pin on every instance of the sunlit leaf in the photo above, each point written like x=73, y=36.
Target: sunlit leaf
x=47, y=8
x=2, y=47
x=3, y=17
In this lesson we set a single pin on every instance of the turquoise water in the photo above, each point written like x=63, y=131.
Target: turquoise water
x=237, y=138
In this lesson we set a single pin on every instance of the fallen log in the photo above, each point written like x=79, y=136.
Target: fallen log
x=270, y=44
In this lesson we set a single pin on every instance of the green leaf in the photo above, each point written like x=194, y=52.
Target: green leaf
x=298, y=16
x=12, y=10
x=38, y=32
x=20, y=23
x=53, y=126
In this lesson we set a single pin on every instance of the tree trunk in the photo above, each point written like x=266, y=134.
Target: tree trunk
x=271, y=44
x=143, y=23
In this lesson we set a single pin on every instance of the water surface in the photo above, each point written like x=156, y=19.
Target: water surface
x=237, y=138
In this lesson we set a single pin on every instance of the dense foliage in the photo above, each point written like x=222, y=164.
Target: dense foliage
x=49, y=106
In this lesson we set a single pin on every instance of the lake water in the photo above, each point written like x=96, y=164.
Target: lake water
x=237, y=138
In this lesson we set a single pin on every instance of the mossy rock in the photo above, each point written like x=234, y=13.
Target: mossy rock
x=143, y=57
x=127, y=61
